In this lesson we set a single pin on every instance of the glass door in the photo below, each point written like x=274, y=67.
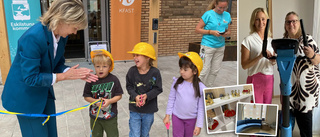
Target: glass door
x=98, y=20
x=97, y=30
x=75, y=47
x=94, y=20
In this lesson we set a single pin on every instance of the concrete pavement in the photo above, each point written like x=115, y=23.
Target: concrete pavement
x=76, y=124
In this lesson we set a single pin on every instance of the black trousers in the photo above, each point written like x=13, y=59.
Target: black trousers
x=304, y=121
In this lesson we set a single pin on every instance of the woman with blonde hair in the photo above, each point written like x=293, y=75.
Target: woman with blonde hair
x=260, y=69
x=214, y=25
x=39, y=64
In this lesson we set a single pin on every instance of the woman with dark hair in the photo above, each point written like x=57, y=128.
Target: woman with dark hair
x=185, y=103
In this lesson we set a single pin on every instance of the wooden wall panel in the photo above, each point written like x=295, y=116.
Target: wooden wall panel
x=4, y=45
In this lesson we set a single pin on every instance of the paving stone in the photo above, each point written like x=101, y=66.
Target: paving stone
x=76, y=124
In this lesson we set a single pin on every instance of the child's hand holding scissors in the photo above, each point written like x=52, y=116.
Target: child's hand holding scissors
x=139, y=101
x=143, y=99
x=105, y=103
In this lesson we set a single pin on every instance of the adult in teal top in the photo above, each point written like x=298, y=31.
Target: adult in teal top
x=214, y=25
x=218, y=22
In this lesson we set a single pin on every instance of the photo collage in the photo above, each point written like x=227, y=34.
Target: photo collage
x=159, y=68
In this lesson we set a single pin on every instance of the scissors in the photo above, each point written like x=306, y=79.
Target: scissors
x=168, y=126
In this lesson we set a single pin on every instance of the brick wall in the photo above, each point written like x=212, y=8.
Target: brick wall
x=177, y=23
x=175, y=34
x=144, y=20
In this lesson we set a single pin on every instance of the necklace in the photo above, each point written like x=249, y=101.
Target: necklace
x=218, y=19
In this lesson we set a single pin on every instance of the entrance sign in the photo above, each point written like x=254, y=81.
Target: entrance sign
x=125, y=27
x=20, y=16
x=127, y=2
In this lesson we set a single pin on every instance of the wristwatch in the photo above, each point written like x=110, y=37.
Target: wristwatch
x=314, y=55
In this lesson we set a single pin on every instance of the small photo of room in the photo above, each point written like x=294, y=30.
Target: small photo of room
x=256, y=119
x=220, y=106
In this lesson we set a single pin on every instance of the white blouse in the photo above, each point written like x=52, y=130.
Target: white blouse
x=253, y=43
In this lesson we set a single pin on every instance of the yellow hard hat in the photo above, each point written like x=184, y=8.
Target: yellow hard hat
x=102, y=52
x=143, y=48
x=195, y=59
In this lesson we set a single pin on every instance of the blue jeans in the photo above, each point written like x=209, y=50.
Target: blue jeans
x=140, y=124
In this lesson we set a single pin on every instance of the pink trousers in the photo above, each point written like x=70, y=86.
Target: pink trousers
x=263, y=87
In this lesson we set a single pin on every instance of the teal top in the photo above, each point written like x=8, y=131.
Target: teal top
x=215, y=21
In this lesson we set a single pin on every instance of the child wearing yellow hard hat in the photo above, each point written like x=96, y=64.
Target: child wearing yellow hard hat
x=144, y=84
x=107, y=88
x=185, y=103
